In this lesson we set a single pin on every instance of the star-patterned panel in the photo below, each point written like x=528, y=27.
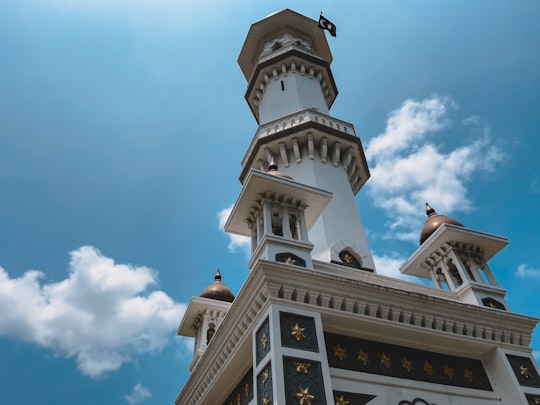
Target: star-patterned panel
x=298, y=332
x=402, y=362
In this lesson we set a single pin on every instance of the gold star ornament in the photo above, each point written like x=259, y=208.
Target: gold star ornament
x=264, y=341
x=303, y=396
x=406, y=364
x=363, y=357
x=341, y=401
x=302, y=367
x=298, y=332
x=448, y=371
x=340, y=352
x=428, y=368
x=468, y=374
x=265, y=374
x=524, y=371
x=385, y=360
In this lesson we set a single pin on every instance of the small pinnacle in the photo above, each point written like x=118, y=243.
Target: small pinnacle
x=218, y=275
x=429, y=210
x=272, y=166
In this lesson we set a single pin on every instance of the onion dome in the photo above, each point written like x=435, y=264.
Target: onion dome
x=273, y=170
x=433, y=222
x=217, y=290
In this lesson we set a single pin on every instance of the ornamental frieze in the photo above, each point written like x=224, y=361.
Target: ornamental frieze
x=367, y=356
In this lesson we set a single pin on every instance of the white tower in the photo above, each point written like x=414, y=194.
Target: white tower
x=290, y=91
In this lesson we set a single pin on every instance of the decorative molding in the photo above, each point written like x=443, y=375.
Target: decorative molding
x=309, y=134
x=376, y=297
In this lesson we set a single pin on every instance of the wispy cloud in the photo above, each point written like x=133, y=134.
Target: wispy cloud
x=388, y=265
x=235, y=241
x=407, y=168
x=102, y=314
x=524, y=271
x=534, y=187
x=139, y=394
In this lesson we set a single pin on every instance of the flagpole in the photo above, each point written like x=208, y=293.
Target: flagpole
x=315, y=34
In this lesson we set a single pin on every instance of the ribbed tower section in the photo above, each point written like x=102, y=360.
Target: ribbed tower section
x=286, y=62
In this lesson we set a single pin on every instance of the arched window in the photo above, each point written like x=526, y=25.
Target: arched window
x=277, y=220
x=210, y=332
x=294, y=225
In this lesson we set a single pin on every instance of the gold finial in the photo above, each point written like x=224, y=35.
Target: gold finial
x=429, y=209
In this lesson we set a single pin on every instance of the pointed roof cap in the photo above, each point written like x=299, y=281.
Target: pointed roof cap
x=217, y=290
x=275, y=23
x=433, y=222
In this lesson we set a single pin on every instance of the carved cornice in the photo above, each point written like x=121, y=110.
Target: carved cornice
x=390, y=303
x=308, y=134
x=291, y=61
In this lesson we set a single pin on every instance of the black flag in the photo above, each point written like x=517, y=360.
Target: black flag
x=326, y=24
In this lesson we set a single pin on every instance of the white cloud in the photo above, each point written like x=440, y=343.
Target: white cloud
x=407, y=169
x=388, y=265
x=411, y=122
x=235, y=241
x=102, y=314
x=523, y=271
x=138, y=395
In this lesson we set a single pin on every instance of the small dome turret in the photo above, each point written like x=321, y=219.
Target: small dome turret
x=433, y=222
x=217, y=290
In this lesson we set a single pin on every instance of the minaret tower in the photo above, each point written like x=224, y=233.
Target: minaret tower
x=290, y=92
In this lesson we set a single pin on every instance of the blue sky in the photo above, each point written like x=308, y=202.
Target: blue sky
x=122, y=128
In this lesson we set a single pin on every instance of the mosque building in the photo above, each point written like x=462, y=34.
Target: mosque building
x=314, y=323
